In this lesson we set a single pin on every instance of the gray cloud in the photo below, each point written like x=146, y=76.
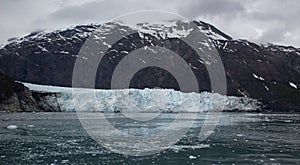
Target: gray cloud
x=212, y=8
x=257, y=20
x=109, y=9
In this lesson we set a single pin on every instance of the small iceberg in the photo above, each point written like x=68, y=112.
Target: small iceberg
x=12, y=127
x=192, y=157
x=30, y=126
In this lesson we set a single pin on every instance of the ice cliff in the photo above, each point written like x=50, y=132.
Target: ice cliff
x=133, y=100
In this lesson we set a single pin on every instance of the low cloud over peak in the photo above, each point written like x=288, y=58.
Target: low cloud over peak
x=256, y=20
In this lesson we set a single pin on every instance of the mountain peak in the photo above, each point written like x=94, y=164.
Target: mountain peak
x=212, y=31
x=172, y=27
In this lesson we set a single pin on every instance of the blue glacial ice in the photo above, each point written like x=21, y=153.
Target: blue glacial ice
x=142, y=100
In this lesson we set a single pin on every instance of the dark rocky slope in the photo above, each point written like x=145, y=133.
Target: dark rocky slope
x=15, y=97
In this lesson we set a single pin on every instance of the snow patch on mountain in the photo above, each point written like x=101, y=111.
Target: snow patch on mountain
x=258, y=77
x=160, y=30
x=293, y=85
x=285, y=49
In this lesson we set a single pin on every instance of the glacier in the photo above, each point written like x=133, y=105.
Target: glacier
x=141, y=100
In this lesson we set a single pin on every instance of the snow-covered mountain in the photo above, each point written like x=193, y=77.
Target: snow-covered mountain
x=270, y=73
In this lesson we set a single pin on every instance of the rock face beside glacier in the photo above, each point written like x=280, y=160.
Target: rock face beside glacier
x=137, y=100
x=15, y=97
x=47, y=101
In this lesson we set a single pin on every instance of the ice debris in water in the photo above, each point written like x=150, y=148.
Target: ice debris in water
x=192, y=157
x=12, y=127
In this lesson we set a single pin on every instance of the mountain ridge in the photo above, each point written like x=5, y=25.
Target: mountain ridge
x=260, y=71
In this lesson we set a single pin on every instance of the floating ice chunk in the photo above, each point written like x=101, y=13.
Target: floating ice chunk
x=183, y=147
x=12, y=127
x=64, y=161
x=293, y=85
x=192, y=157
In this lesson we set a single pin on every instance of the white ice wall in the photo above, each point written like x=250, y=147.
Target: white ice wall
x=147, y=100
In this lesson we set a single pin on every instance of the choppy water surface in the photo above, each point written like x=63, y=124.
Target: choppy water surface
x=240, y=138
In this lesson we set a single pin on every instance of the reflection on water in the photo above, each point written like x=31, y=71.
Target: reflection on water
x=58, y=138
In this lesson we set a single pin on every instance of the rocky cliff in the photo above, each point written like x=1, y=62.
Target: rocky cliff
x=15, y=97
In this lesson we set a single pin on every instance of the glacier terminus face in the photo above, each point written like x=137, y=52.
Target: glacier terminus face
x=146, y=100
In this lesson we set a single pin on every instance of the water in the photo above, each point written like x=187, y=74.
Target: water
x=240, y=138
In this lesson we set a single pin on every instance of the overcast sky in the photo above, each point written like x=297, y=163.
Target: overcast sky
x=261, y=21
